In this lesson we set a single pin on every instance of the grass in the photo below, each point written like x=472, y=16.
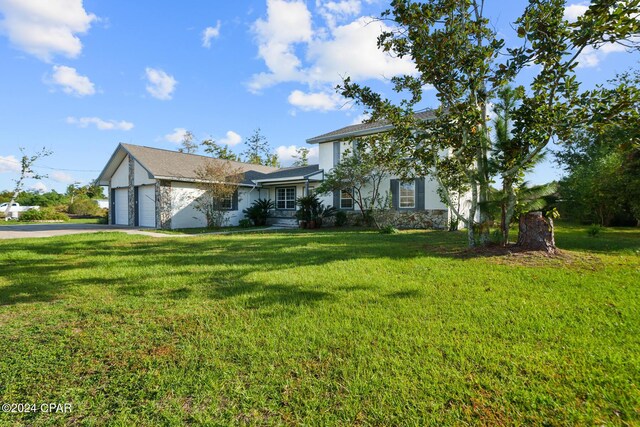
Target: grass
x=320, y=328
x=205, y=230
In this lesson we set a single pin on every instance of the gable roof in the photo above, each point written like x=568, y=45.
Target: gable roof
x=173, y=165
x=363, y=129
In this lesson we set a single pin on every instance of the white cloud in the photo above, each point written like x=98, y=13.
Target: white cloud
x=161, y=85
x=329, y=53
x=286, y=154
x=176, y=136
x=62, y=177
x=353, y=51
x=231, y=139
x=287, y=24
x=71, y=82
x=318, y=101
x=360, y=118
x=9, y=164
x=210, y=33
x=39, y=187
x=100, y=124
x=334, y=11
x=574, y=11
x=44, y=28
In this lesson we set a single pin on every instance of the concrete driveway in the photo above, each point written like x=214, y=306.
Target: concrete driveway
x=61, y=229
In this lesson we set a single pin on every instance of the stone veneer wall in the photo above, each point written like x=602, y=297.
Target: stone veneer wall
x=427, y=219
x=163, y=204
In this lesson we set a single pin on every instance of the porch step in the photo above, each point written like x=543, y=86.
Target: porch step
x=283, y=222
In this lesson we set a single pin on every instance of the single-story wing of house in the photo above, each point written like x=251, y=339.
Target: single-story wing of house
x=151, y=187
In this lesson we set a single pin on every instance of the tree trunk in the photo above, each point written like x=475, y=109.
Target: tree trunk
x=536, y=233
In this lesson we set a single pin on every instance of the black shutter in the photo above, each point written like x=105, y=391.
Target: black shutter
x=395, y=193
x=336, y=153
x=336, y=199
x=420, y=194
x=234, y=200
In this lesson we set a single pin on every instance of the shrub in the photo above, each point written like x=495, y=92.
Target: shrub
x=389, y=229
x=84, y=207
x=341, y=219
x=245, y=223
x=594, y=230
x=103, y=216
x=258, y=212
x=43, y=214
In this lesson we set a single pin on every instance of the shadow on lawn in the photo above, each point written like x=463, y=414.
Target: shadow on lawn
x=220, y=265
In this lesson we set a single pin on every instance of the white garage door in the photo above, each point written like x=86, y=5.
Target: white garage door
x=147, y=206
x=122, y=206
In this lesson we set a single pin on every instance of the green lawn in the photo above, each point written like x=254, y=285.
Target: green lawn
x=320, y=328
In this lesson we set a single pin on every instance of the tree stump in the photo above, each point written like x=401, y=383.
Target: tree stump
x=536, y=233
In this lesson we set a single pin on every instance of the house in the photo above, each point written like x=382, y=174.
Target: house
x=416, y=204
x=151, y=187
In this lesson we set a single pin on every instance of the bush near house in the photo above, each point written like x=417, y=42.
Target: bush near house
x=84, y=207
x=43, y=214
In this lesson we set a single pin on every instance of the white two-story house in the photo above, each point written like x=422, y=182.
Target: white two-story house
x=150, y=187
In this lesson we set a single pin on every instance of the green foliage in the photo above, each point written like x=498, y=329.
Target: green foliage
x=245, y=223
x=389, y=229
x=43, y=214
x=34, y=198
x=360, y=173
x=301, y=156
x=188, y=145
x=259, y=211
x=594, y=230
x=258, y=152
x=457, y=52
x=333, y=328
x=219, y=151
x=341, y=219
x=84, y=207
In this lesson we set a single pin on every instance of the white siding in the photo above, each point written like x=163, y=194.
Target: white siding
x=121, y=177
x=141, y=176
x=431, y=197
x=184, y=201
x=147, y=206
x=122, y=206
x=326, y=155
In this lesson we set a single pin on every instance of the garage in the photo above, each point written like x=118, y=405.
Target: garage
x=147, y=206
x=121, y=208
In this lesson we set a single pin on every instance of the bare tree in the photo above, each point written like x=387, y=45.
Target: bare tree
x=26, y=172
x=219, y=180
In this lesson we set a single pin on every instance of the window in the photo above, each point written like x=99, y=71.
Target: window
x=286, y=198
x=407, y=195
x=346, y=201
x=226, y=202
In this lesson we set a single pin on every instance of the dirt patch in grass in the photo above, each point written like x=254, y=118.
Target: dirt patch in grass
x=514, y=255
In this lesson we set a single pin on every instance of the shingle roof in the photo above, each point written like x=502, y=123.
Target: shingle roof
x=362, y=129
x=166, y=164
x=292, y=172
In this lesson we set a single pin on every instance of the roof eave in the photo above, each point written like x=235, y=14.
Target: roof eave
x=347, y=135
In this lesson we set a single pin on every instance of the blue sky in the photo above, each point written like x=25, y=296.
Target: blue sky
x=79, y=77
